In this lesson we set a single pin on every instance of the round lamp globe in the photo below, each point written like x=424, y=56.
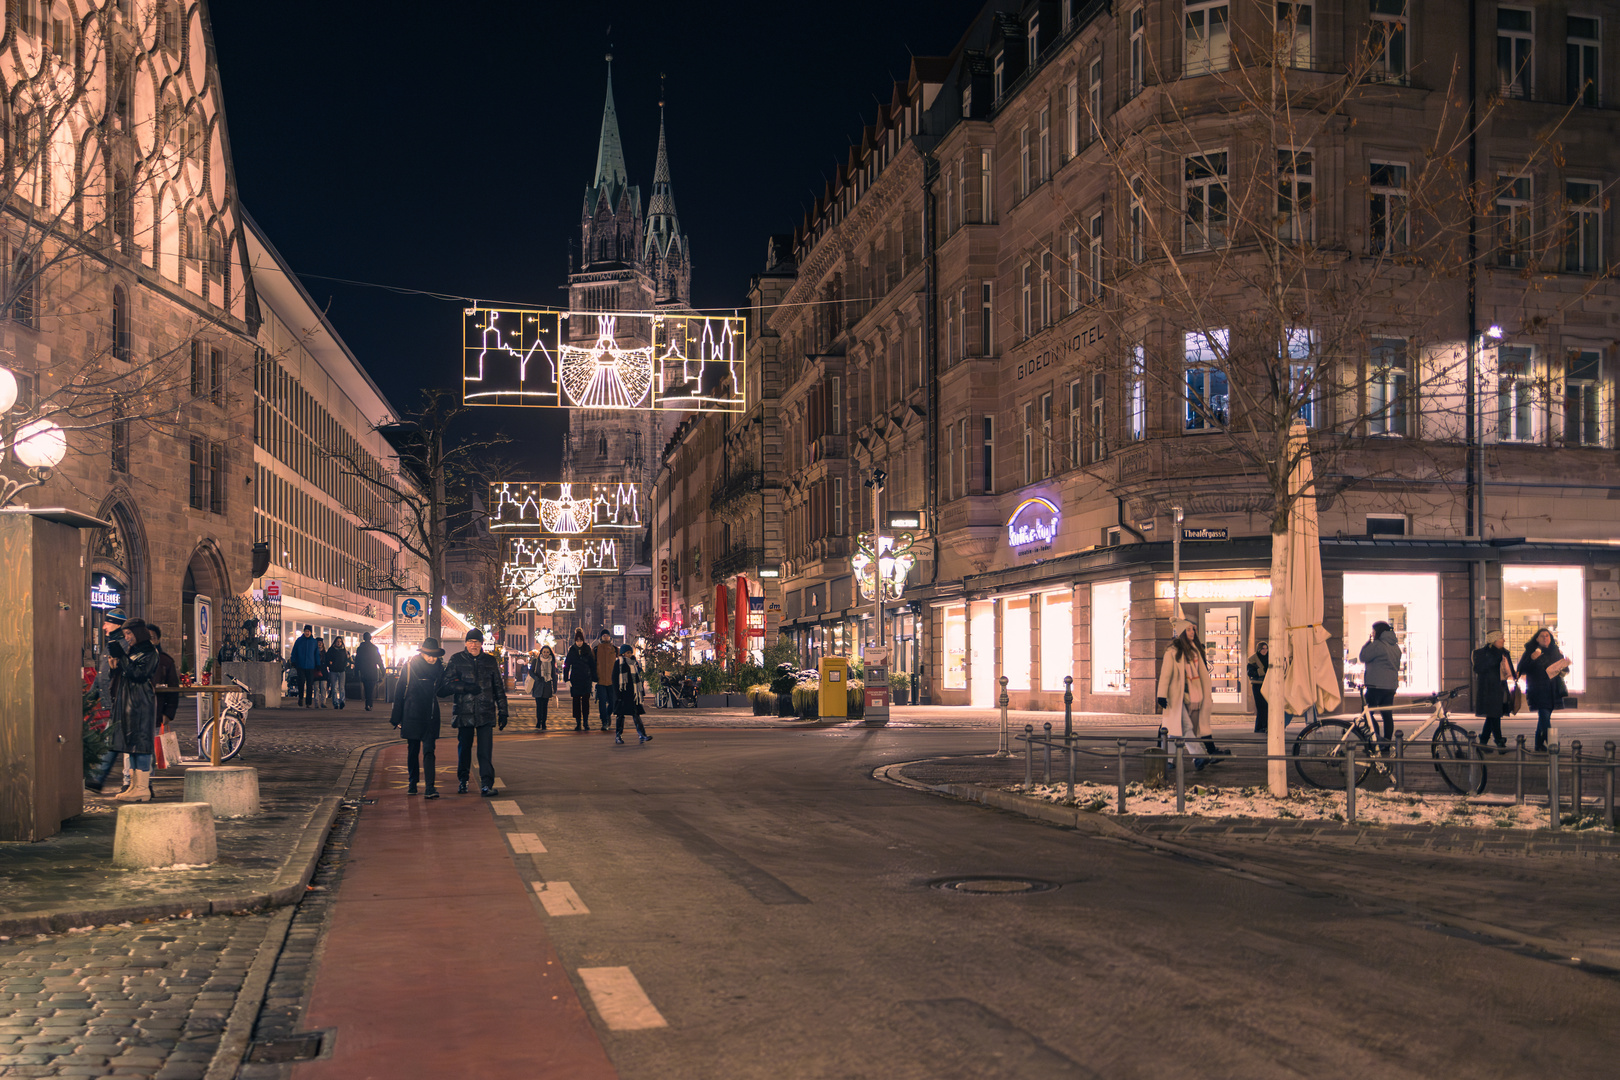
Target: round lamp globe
x=8, y=389
x=40, y=444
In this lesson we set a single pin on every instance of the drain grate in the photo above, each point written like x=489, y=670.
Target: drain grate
x=292, y=1048
x=993, y=886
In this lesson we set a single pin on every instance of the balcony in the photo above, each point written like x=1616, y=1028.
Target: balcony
x=736, y=560
x=730, y=491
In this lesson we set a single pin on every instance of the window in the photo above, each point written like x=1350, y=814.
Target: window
x=1208, y=46
x=1023, y=163
x=967, y=100
x=1111, y=637
x=216, y=478
x=961, y=192
x=1076, y=424
x=199, y=474
x=986, y=298
x=199, y=375
x=1045, y=172
x=1046, y=288
x=1581, y=60
x=1583, y=251
x=27, y=15
x=989, y=456
x=118, y=438
x=1015, y=642
x=838, y=506
x=1099, y=415
x=998, y=75
x=1137, y=406
x=63, y=35
x=1387, y=44
x=1583, y=398
x=1205, y=193
x=1094, y=99
x=949, y=217
x=986, y=207
x=837, y=404
x=1387, y=383
x=120, y=324
x=1071, y=113
x=1512, y=220
x=1303, y=375
x=1026, y=299
x=1515, y=394
x=1095, y=251
x=1046, y=434
x=1138, y=51
x=1410, y=603
x=1386, y=524
x=1296, y=213
x=1556, y=597
x=1207, y=395
x=1387, y=219
x=967, y=467
x=950, y=328
x=216, y=376
x=1137, y=212
x=1294, y=34
x=1057, y=639
x=1029, y=443
x=1515, y=41
x=1034, y=38
x=1074, y=270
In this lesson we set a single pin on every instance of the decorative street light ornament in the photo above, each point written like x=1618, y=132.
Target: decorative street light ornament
x=8, y=389
x=564, y=509
x=1033, y=526
x=39, y=444
x=565, y=557
x=649, y=360
x=884, y=567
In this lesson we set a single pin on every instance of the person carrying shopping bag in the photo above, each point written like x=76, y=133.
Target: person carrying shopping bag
x=1543, y=667
x=1184, y=690
x=1493, y=678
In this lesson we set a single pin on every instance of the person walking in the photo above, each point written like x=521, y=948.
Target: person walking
x=416, y=714
x=474, y=677
x=1259, y=664
x=606, y=655
x=168, y=674
x=543, y=684
x=629, y=693
x=306, y=657
x=1493, y=672
x=322, y=687
x=104, y=691
x=1184, y=689
x=1381, y=660
x=579, y=672
x=1543, y=666
x=134, y=711
x=337, y=671
x=368, y=665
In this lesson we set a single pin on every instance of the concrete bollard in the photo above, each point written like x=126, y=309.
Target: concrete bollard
x=232, y=790
x=164, y=834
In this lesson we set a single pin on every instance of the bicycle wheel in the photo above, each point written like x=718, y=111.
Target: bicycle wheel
x=232, y=736
x=1458, y=760
x=1321, y=750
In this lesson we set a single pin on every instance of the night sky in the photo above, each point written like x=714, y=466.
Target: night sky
x=413, y=152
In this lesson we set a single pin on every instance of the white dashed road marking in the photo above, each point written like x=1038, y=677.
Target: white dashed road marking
x=620, y=1000
x=559, y=898
x=526, y=843
x=505, y=807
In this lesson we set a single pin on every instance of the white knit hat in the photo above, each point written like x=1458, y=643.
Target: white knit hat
x=1494, y=633
x=1180, y=626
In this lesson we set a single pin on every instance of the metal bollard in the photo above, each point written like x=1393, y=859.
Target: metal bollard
x=1005, y=749
x=1518, y=775
x=1350, y=784
x=1029, y=756
x=1121, y=775
x=1400, y=759
x=1181, y=776
x=1576, y=792
x=1048, y=780
x=1608, y=784
x=1552, y=783
x=1068, y=746
x=1068, y=706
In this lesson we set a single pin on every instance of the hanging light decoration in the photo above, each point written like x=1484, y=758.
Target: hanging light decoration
x=883, y=565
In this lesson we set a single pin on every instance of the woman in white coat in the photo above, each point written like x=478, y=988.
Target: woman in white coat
x=1184, y=689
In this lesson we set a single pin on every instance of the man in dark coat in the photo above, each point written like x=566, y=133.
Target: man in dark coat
x=368, y=665
x=306, y=657
x=475, y=678
x=337, y=671
x=416, y=712
x=168, y=674
x=606, y=655
x=579, y=672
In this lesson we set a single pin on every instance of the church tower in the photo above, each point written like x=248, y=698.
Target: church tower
x=625, y=263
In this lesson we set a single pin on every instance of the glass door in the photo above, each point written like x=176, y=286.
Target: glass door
x=1225, y=631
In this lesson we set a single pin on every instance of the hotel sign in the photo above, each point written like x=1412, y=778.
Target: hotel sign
x=1060, y=351
x=1033, y=526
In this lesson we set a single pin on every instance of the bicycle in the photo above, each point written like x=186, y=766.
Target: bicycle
x=232, y=726
x=1322, y=746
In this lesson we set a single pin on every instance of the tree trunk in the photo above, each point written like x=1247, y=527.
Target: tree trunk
x=438, y=537
x=1277, y=771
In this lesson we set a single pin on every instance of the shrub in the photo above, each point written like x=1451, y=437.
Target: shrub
x=806, y=699
x=855, y=697
x=899, y=683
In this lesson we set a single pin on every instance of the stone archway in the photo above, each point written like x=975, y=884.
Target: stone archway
x=117, y=557
x=206, y=575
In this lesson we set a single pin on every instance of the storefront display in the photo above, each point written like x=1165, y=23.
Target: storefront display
x=1015, y=642
x=1111, y=637
x=955, y=641
x=1057, y=638
x=1547, y=596
x=1226, y=651
x=1410, y=603
x=981, y=662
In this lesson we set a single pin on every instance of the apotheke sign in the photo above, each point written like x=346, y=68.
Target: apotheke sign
x=1033, y=526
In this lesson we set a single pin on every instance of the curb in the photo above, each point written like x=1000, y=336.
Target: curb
x=1601, y=960
x=287, y=888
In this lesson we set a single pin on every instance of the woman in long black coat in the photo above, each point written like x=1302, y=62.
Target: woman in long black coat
x=134, y=709
x=416, y=712
x=579, y=672
x=1540, y=693
x=629, y=692
x=543, y=684
x=1493, y=670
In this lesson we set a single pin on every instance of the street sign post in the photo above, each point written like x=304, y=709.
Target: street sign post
x=410, y=619
x=202, y=649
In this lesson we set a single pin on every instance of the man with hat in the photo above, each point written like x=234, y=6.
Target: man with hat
x=416, y=713
x=475, y=678
x=606, y=655
x=306, y=657
x=1493, y=676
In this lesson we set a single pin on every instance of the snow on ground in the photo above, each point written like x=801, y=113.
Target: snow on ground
x=1387, y=808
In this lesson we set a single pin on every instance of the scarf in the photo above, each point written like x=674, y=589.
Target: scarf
x=629, y=674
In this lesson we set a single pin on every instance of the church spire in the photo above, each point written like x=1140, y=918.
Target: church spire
x=610, y=169
x=666, y=246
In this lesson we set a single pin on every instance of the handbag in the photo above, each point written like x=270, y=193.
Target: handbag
x=167, y=748
x=1515, y=699
x=1560, y=694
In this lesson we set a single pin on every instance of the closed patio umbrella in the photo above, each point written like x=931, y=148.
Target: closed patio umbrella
x=1301, y=675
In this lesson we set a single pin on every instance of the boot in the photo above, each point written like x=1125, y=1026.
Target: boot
x=461, y=789
x=432, y=793
x=127, y=775
x=411, y=790
x=140, y=788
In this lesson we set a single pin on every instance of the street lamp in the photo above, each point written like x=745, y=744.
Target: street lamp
x=39, y=445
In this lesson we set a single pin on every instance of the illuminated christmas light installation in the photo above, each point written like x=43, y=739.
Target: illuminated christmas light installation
x=884, y=565
x=564, y=557
x=603, y=360
x=564, y=509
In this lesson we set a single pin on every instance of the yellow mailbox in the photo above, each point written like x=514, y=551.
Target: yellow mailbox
x=834, y=685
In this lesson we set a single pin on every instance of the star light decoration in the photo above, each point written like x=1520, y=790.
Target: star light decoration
x=884, y=565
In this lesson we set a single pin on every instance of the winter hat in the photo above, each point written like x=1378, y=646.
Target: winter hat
x=1495, y=634
x=604, y=633
x=624, y=650
x=475, y=634
x=1179, y=627
x=430, y=647
x=308, y=629
x=113, y=615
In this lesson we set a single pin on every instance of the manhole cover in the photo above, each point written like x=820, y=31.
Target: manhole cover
x=293, y=1048
x=993, y=886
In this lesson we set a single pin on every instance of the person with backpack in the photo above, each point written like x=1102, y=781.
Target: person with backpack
x=416, y=714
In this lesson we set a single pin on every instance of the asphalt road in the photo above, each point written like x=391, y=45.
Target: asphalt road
x=777, y=906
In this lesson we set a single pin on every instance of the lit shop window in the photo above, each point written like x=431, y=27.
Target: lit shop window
x=956, y=647
x=1057, y=638
x=1410, y=603
x=1111, y=637
x=1015, y=642
x=1553, y=597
